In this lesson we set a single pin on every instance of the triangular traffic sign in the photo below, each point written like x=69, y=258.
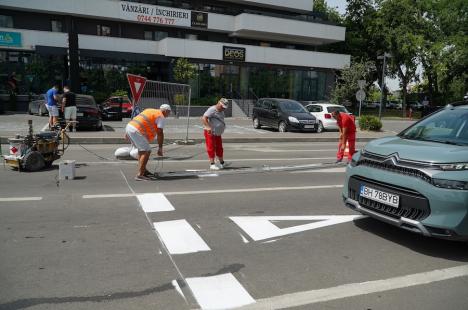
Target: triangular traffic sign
x=137, y=84
x=261, y=227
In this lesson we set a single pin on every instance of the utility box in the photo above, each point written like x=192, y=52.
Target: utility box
x=67, y=170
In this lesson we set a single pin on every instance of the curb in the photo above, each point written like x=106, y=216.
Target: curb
x=119, y=140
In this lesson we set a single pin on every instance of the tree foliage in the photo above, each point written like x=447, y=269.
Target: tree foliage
x=431, y=34
x=347, y=83
x=183, y=70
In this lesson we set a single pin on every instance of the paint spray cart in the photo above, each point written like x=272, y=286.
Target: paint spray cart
x=35, y=152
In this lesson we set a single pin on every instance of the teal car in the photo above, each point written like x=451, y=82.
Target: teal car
x=417, y=180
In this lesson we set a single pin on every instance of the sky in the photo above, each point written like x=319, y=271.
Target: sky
x=340, y=6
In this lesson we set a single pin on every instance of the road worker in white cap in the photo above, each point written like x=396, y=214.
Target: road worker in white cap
x=142, y=130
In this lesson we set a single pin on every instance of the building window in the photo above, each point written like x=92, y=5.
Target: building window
x=6, y=21
x=56, y=25
x=159, y=35
x=148, y=35
x=103, y=30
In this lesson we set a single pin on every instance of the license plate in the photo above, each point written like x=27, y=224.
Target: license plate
x=79, y=114
x=380, y=196
x=309, y=126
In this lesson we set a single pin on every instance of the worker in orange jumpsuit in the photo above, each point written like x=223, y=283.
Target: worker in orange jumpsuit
x=347, y=129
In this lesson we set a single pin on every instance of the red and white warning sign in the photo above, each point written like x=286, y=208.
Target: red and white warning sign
x=137, y=84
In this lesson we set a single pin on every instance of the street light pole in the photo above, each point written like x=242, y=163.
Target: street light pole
x=384, y=57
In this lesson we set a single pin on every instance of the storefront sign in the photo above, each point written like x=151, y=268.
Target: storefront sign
x=152, y=14
x=199, y=19
x=10, y=38
x=233, y=53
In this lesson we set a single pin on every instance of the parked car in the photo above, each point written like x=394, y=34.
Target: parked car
x=88, y=114
x=417, y=180
x=371, y=104
x=283, y=114
x=415, y=105
x=393, y=104
x=110, y=108
x=322, y=112
x=38, y=106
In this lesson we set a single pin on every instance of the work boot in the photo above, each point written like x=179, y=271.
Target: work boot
x=338, y=161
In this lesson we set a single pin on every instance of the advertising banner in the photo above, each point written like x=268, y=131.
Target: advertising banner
x=8, y=38
x=152, y=14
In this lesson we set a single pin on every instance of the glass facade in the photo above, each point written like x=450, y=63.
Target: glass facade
x=250, y=81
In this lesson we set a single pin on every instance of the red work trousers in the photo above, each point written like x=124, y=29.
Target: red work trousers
x=214, y=145
x=351, y=139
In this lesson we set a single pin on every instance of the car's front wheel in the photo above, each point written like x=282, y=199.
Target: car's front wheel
x=282, y=127
x=320, y=127
x=256, y=123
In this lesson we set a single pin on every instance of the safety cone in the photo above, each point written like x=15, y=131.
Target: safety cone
x=346, y=150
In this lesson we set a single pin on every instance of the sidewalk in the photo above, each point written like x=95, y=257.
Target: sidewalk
x=238, y=130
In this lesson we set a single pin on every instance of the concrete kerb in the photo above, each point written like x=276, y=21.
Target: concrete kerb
x=119, y=140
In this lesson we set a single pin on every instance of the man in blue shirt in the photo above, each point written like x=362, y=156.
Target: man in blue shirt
x=52, y=104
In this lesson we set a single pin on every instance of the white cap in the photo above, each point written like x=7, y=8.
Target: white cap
x=165, y=107
x=224, y=102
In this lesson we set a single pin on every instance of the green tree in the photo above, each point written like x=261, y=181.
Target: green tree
x=347, y=84
x=184, y=70
x=400, y=24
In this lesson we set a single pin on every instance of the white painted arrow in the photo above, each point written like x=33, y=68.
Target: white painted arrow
x=261, y=227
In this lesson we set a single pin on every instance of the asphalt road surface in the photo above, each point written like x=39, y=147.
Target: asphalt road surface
x=270, y=232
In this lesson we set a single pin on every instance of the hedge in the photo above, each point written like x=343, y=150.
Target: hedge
x=369, y=122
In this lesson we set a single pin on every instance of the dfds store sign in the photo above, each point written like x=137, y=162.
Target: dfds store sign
x=233, y=53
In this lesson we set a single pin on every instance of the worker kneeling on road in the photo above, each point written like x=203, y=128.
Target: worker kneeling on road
x=347, y=129
x=141, y=130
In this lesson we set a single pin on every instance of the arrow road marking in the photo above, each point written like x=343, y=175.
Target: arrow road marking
x=261, y=227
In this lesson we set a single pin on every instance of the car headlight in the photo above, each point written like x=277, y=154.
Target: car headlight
x=292, y=119
x=454, y=166
x=450, y=184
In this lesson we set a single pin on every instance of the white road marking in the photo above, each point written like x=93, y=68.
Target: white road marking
x=5, y=199
x=329, y=170
x=180, y=238
x=154, y=202
x=204, y=160
x=222, y=191
x=219, y=292
x=356, y=289
x=244, y=239
x=109, y=196
x=261, y=227
x=267, y=150
x=178, y=289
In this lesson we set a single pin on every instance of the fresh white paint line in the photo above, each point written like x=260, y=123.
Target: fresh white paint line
x=223, y=191
x=267, y=150
x=261, y=227
x=210, y=175
x=8, y=199
x=154, y=202
x=178, y=289
x=180, y=238
x=109, y=196
x=329, y=170
x=253, y=190
x=271, y=241
x=356, y=289
x=204, y=160
x=219, y=292
x=244, y=239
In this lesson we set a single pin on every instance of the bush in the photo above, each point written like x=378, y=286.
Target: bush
x=204, y=101
x=369, y=122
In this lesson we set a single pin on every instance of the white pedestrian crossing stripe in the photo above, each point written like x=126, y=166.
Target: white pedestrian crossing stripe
x=179, y=237
x=154, y=202
x=219, y=292
x=261, y=227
